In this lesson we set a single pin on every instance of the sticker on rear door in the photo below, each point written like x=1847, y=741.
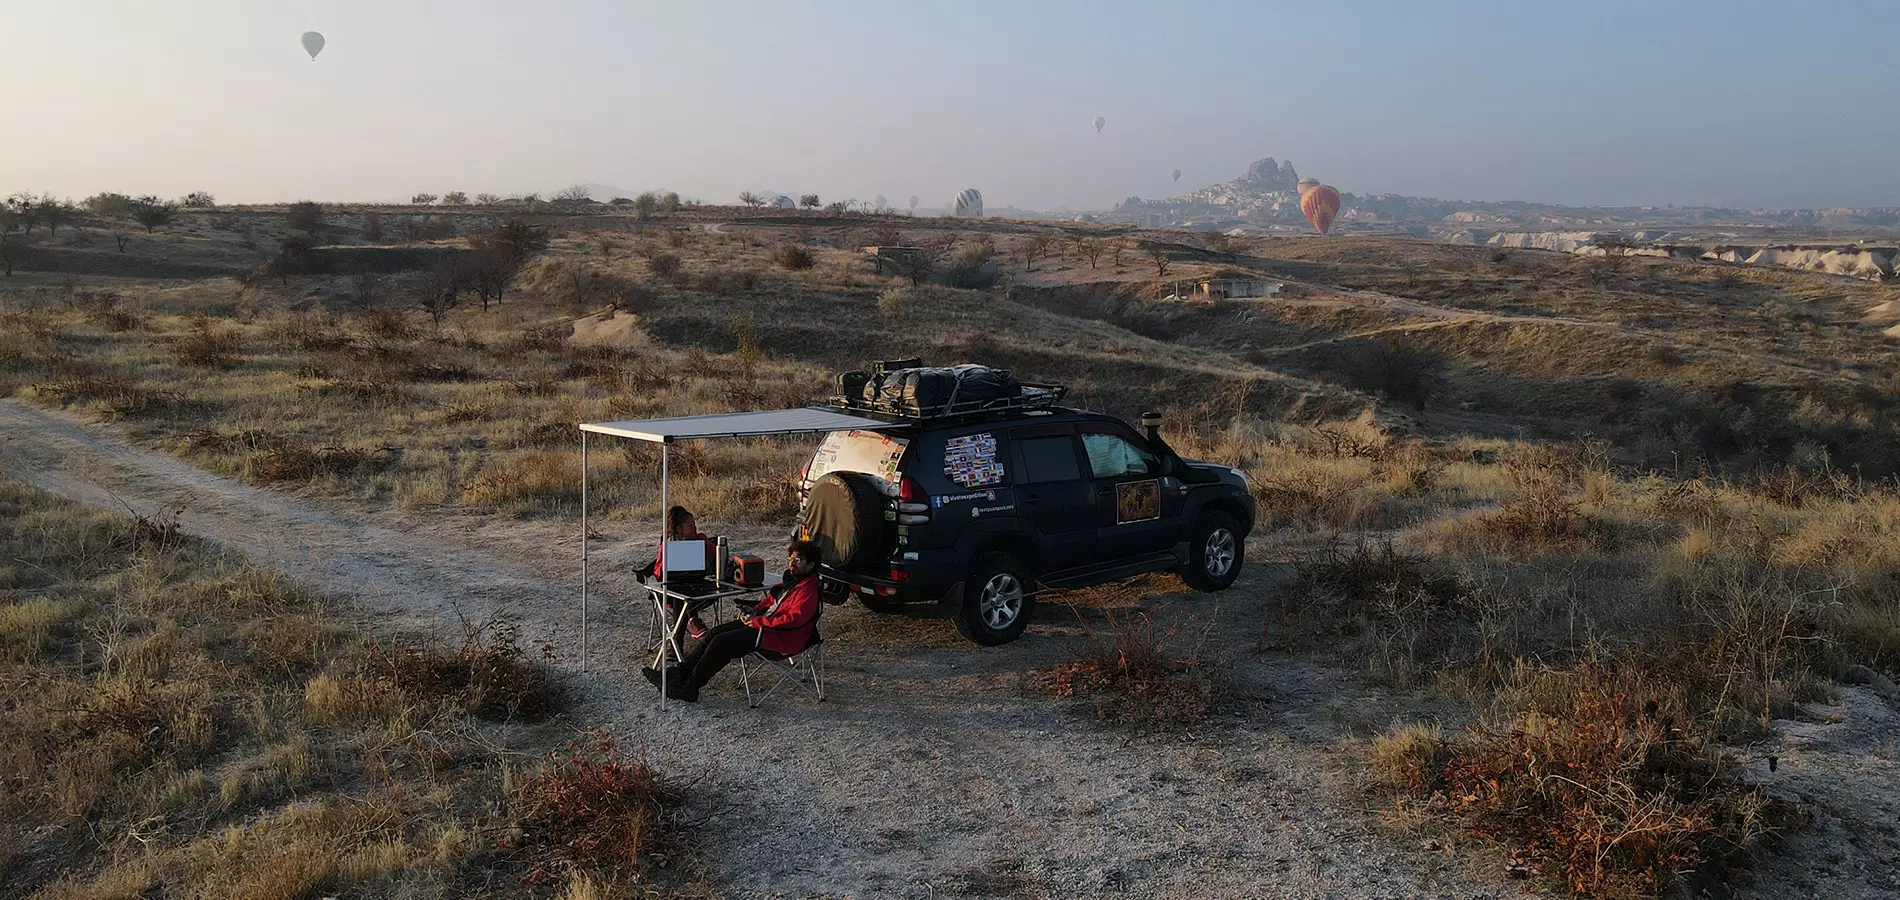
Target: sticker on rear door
x=1137, y=501
x=970, y=460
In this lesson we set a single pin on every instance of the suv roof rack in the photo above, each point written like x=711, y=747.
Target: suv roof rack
x=1034, y=397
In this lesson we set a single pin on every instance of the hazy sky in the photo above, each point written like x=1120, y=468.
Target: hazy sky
x=1603, y=102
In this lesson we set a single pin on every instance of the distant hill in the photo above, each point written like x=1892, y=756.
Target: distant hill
x=1265, y=199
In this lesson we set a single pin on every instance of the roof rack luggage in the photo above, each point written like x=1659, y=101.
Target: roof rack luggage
x=906, y=391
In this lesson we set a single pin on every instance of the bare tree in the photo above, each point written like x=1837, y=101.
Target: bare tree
x=1159, y=255
x=607, y=245
x=670, y=203
x=152, y=212
x=12, y=247
x=1032, y=249
x=488, y=270
x=364, y=286
x=1090, y=249
x=455, y=198
x=440, y=290
x=199, y=200
x=488, y=199
x=55, y=211
x=751, y=199
x=373, y=227
x=918, y=266
x=121, y=237
x=423, y=200
x=573, y=192
x=26, y=212
x=809, y=201
x=645, y=205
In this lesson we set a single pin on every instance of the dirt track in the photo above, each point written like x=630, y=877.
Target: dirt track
x=931, y=771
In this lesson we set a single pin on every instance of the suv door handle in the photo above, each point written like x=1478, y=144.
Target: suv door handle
x=1032, y=498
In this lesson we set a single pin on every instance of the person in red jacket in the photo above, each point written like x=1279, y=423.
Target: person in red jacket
x=782, y=623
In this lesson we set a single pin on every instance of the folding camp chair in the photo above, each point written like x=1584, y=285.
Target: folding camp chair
x=793, y=667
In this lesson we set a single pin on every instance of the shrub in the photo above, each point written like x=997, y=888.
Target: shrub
x=1129, y=674
x=296, y=461
x=895, y=302
x=208, y=346
x=1608, y=795
x=665, y=265
x=589, y=806
x=793, y=257
x=304, y=215
x=488, y=675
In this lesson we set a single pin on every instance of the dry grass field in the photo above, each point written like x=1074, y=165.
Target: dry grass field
x=1628, y=524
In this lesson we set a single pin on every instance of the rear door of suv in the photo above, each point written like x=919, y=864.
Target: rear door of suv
x=1054, y=493
x=1138, y=510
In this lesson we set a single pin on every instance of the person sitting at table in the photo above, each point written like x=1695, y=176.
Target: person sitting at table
x=680, y=526
x=783, y=622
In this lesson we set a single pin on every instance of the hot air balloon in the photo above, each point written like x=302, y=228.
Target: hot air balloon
x=1099, y=122
x=312, y=44
x=1320, y=203
x=881, y=203
x=1177, y=174
x=970, y=203
x=784, y=202
x=913, y=203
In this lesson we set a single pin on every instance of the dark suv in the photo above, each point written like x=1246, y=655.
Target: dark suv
x=964, y=515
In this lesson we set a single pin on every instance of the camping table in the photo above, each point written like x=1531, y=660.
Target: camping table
x=673, y=622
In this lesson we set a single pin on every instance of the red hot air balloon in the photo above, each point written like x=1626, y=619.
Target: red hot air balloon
x=1320, y=203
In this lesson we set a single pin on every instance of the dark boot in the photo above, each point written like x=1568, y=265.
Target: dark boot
x=679, y=685
x=652, y=675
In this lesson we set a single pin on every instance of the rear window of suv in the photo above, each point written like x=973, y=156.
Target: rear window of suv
x=1048, y=459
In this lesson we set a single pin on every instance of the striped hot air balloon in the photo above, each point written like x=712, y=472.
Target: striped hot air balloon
x=1320, y=203
x=970, y=204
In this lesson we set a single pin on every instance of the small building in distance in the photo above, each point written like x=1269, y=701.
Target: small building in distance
x=898, y=260
x=1233, y=288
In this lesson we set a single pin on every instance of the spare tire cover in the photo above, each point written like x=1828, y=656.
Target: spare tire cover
x=845, y=515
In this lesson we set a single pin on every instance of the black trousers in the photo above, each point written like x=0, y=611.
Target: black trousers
x=722, y=644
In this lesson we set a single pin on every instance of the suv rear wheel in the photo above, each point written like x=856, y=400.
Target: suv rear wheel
x=996, y=601
x=1215, y=551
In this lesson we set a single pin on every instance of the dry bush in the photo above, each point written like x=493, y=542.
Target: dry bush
x=1390, y=611
x=896, y=302
x=664, y=265
x=296, y=461
x=588, y=806
x=1131, y=674
x=117, y=395
x=209, y=346
x=793, y=257
x=488, y=675
x=361, y=390
x=387, y=324
x=466, y=412
x=437, y=372
x=729, y=281
x=306, y=334
x=1610, y=794
x=1408, y=758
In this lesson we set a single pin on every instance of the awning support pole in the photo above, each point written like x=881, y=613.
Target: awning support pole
x=583, y=551
x=666, y=565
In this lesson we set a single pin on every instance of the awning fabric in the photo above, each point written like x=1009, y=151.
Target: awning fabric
x=804, y=420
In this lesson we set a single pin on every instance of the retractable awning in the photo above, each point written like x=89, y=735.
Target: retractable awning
x=803, y=420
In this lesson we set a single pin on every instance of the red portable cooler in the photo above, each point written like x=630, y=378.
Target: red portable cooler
x=748, y=571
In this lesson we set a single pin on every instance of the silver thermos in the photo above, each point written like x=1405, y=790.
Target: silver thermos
x=723, y=566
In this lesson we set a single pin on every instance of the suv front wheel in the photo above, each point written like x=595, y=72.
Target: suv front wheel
x=996, y=601
x=1215, y=551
